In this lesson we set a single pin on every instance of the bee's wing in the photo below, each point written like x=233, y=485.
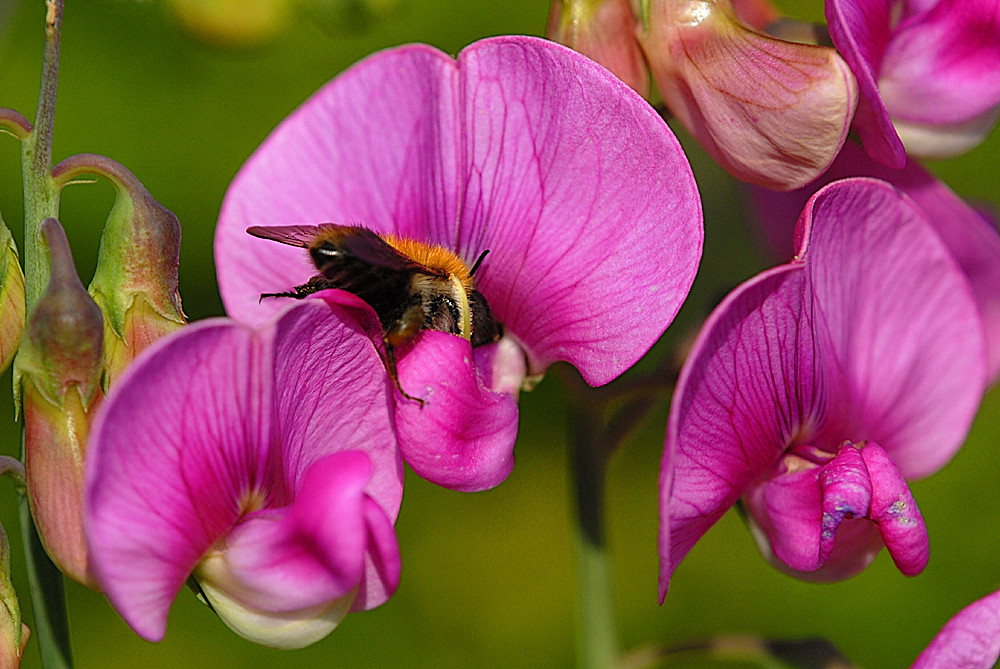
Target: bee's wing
x=371, y=249
x=293, y=235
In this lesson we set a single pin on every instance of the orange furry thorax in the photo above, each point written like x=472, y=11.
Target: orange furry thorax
x=432, y=256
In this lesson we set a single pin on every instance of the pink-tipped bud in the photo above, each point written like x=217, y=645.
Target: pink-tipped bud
x=135, y=283
x=771, y=112
x=11, y=298
x=58, y=373
x=604, y=31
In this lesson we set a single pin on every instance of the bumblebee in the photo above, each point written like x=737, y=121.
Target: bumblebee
x=411, y=286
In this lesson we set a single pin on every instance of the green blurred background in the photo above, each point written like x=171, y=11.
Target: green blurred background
x=488, y=578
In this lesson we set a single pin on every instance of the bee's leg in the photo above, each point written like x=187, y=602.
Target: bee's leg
x=316, y=284
x=390, y=362
x=400, y=331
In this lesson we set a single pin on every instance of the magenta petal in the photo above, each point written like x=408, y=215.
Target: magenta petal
x=375, y=147
x=788, y=510
x=970, y=640
x=462, y=437
x=971, y=238
x=331, y=394
x=941, y=66
x=750, y=386
x=585, y=200
x=887, y=292
x=171, y=456
x=310, y=552
x=847, y=493
x=803, y=515
x=860, y=29
x=382, y=561
x=895, y=512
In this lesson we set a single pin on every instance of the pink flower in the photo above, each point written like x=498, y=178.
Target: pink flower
x=260, y=461
x=818, y=387
x=520, y=146
x=926, y=69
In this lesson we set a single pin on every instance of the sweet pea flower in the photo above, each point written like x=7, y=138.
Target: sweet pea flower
x=263, y=463
x=927, y=72
x=769, y=111
x=971, y=236
x=520, y=146
x=970, y=640
x=818, y=387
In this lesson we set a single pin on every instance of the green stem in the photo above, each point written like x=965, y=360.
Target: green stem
x=41, y=201
x=597, y=639
x=48, y=599
x=41, y=198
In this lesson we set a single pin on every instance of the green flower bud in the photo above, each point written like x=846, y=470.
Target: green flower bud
x=135, y=283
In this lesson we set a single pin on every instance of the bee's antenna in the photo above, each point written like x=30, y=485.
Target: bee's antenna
x=479, y=261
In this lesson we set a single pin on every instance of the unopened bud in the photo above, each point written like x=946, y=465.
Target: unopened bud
x=771, y=112
x=57, y=374
x=604, y=31
x=135, y=283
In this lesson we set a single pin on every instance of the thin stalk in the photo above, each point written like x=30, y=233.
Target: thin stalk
x=41, y=198
x=41, y=201
x=597, y=637
x=48, y=599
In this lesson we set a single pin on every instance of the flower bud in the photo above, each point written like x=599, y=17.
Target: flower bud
x=13, y=633
x=135, y=283
x=770, y=112
x=11, y=298
x=57, y=374
x=604, y=31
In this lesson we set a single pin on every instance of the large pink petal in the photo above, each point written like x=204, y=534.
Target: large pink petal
x=585, y=200
x=900, y=321
x=971, y=238
x=751, y=387
x=861, y=30
x=374, y=147
x=462, y=436
x=970, y=640
x=523, y=147
x=173, y=455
